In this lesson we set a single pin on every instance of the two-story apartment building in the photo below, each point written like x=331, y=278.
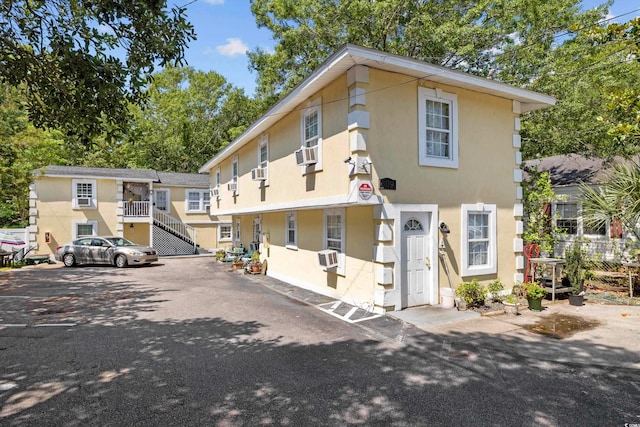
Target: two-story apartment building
x=347, y=182
x=167, y=210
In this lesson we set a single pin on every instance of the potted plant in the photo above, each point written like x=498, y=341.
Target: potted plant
x=472, y=293
x=255, y=264
x=220, y=254
x=574, y=272
x=511, y=304
x=534, y=293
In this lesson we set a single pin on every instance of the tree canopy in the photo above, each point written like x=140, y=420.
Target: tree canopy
x=509, y=39
x=67, y=54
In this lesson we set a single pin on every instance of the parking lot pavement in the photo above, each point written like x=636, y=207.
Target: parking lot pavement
x=607, y=326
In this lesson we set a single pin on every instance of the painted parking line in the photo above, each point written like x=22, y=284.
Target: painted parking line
x=347, y=312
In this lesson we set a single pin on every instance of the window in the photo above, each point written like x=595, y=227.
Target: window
x=479, y=251
x=235, y=169
x=437, y=128
x=334, y=235
x=84, y=193
x=334, y=229
x=311, y=132
x=224, y=232
x=84, y=228
x=162, y=200
x=238, y=237
x=257, y=230
x=197, y=201
x=291, y=230
x=567, y=217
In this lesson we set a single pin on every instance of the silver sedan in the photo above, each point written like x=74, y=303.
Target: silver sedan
x=116, y=251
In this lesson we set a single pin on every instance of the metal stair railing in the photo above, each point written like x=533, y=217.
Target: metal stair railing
x=175, y=226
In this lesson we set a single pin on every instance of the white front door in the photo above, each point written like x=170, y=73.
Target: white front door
x=416, y=259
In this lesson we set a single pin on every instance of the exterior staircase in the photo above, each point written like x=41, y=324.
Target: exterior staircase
x=172, y=236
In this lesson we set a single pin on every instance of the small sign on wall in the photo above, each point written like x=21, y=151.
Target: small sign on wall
x=365, y=190
x=387, y=184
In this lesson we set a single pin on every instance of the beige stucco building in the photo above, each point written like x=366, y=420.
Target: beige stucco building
x=346, y=181
x=168, y=211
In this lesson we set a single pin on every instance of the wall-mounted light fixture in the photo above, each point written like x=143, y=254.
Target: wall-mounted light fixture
x=131, y=226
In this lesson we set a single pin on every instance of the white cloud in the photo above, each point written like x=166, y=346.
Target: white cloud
x=233, y=47
x=216, y=2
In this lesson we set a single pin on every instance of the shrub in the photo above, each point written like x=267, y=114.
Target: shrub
x=494, y=288
x=473, y=293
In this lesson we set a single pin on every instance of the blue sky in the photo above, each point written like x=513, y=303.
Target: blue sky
x=226, y=29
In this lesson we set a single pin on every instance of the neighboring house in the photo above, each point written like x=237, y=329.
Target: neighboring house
x=346, y=180
x=166, y=210
x=566, y=173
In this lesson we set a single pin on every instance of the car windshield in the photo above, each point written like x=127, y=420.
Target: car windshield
x=120, y=241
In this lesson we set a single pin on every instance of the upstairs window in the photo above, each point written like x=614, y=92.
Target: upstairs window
x=197, y=201
x=437, y=128
x=84, y=194
x=311, y=133
x=162, y=200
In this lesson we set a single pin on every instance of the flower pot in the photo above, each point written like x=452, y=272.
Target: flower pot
x=535, y=304
x=576, y=300
x=255, y=268
x=511, y=308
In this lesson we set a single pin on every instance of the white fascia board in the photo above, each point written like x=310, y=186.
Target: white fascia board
x=96, y=177
x=350, y=55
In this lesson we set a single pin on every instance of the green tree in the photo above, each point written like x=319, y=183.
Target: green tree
x=189, y=116
x=539, y=225
x=454, y=33
x=22, y=149
x=617, y=199
x=588, y=79
x=67, y=54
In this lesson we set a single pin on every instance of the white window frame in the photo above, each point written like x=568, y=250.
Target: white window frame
x=237, y=237
x=556, y=217
x=202, y=202
x=217, y=181
x=168, y=198
x=291, y=224
x=343, y=221
x=94, y=193
x=220, y=237
x=492, y=251
x=264, y=162
x=312, y=107
x=235, y=173
x=75, y=224
x=257, y=230
x=436, y=95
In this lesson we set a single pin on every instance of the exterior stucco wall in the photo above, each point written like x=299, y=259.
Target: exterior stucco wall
x=56, y=215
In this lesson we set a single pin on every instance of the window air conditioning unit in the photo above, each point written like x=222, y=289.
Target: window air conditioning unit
x=307, y=156
x=328, y=258
x=84, y=201
x=259, y=174
x=215, y=192
x=232, y=186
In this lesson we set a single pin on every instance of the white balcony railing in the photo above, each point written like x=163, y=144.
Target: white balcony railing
x=136, y=208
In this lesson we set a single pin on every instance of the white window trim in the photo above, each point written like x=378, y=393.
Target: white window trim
x=94, y=193
x=580, y=227
x=74, y=227
x=163, y=190
x=217, y=182
x=237, y=234
x=289, y=244
x=264, y=142
x=257, y=225
x=235, y=178
x=225, y=239
x=202, y=206
x=313, y=106
x=341, y=255
x=443, y=97
x=492, y=266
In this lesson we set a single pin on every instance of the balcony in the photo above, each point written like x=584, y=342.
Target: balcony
x=136, y=208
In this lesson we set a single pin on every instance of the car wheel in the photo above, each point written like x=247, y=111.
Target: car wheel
x=69, y=260
x=120, y=261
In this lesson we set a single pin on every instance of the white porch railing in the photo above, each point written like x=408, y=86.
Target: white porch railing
x=137, y=208
x=176, y=226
